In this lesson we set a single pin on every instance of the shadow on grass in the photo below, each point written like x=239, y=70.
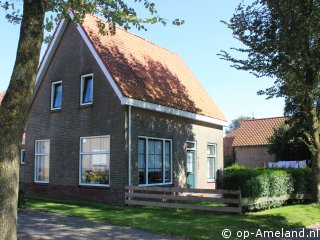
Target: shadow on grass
x=186, y=223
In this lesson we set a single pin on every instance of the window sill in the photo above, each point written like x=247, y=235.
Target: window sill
x=211, y=180
x=89, y=105
x=55, y=110
x=94, y=186
x=156, y=185
x=41, y=183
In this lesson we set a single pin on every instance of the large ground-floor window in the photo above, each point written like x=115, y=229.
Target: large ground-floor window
x=42, y=159
x=155, y=161
x=95, y=161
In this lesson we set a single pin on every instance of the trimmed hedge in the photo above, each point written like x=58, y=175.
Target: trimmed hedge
x=266, y=183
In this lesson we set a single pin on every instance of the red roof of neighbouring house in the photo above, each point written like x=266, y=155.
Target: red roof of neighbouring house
x=1, y=96
x=147, y=72
x=255, y=132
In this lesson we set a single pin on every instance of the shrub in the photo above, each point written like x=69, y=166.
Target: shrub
x=257, y=183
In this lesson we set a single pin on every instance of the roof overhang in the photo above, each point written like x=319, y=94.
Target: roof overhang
x=172, y=111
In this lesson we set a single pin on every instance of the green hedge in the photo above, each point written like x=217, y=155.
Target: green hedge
x=257, y=183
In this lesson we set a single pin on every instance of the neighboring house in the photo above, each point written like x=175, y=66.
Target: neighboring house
x=228, y=150
x=251, y=141
x=110, y=111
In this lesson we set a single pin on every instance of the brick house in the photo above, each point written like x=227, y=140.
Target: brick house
x=109, y=111
x=250, y=141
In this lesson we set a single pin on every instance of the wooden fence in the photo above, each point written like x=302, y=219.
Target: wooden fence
x=181, y=198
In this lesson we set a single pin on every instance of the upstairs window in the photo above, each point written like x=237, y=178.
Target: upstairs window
x=86, y=96
x=56, y=95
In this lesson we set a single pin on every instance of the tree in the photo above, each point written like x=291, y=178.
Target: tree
x=289, y=143
x=15, y=105
x=235, y=123
x=282, y=41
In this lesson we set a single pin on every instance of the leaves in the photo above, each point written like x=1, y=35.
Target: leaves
x=116, y=12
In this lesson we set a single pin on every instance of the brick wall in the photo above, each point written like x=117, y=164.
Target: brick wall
x=64, y=128
x=253, y=156
x=179, y=130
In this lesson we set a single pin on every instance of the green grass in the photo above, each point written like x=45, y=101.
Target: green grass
x=186, y=223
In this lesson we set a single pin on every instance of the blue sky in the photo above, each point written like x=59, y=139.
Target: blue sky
x=198, y=41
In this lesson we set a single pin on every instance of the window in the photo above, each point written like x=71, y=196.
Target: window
x=95, y=161
x=42, y=158
x=22, y=156
x=154, y=161
x=211, y=159
x=56, y=95
x=86, y=96
x=191, y=156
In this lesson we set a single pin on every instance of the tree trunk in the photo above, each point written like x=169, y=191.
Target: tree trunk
x=315, y=154
x=13, y=112
x=316, y=159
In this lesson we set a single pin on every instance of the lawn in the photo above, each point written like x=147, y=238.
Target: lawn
x=186, y=223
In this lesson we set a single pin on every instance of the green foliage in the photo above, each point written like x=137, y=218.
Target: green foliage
x=289, y=143
x=281, y=41
x=235, y=123
x=258, y=183
x=301, y=180
x=96, y=176
x=116, y=12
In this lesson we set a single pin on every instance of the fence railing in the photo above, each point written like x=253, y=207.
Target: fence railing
x=197, y=199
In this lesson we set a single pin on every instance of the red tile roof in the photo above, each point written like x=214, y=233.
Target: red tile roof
x=147, y=72
x=256, y=132
x=1, y=96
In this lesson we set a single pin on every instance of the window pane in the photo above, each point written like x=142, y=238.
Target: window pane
x=57, y=95
x=87, y=90
x=95, y=145
x=190, y=161
x=95, y=168
x=42, y=168
x=42, y=147
x=142, y=161
x=167, y=162
x=211, y=150
x=211, y=167
x=23, y=156
x=155, y=161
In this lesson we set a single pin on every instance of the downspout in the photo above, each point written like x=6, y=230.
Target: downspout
x=129, y=145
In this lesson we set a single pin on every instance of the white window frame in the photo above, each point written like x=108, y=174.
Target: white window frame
x=163, y=161
x=52, y=94
x=35, y=159
x=82, y=86
x=215, y=162
x=195, y=150
x=93, y=153
x=21, y=154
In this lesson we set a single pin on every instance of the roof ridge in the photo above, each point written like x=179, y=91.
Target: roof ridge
x=254, y=119
x=122, y=29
